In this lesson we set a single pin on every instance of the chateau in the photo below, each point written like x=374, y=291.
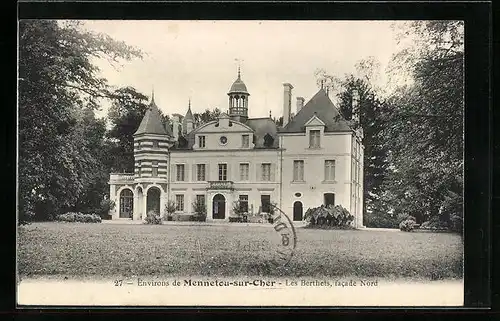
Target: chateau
x=314, y=158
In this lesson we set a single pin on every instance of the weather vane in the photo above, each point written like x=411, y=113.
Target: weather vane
x=239, y=65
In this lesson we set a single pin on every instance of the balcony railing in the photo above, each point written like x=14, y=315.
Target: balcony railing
x=220, y=185
x=121, y=177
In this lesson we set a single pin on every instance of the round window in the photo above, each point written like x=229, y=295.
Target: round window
x=298, y=194
x=223, y=140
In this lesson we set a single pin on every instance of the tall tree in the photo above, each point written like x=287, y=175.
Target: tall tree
x=371, y=114
x=125, y=116
x=426, y=132
x=56, y=80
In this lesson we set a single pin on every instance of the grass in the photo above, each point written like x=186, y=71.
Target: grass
x=104, y=250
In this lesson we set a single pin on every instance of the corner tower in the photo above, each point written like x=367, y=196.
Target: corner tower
x=152, y=141
x=238, y=100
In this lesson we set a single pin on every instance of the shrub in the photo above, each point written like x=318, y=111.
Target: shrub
x=408, y=225
x=200, y=211
x=435, y=223
x=152, y=217
x=105, y=207
x=169, y=210
x=456, y=223
x=331, y=216
x=182, y=217
x=380, y=220
x=78, y=217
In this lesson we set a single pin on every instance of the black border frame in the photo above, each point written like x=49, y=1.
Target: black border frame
x=478, y=121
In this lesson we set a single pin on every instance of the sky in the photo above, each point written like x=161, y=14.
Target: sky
x=198, y=60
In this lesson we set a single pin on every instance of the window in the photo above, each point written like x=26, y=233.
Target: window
x=314, y=136
x=245, y=141
x=155, y=144
x=139, y=172
x=329, y=170
x=179, y=202
x=222, y=172
x=201, y=141
x=244, y=169
x=180, y=172
x=265, y=201
x=298, y=170
x=200, y=199
x=139, y=145
x=244, y=203
x=266, y=172
x=200, y=172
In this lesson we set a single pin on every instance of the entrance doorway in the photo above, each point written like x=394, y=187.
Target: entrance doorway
x=329, y=199
x=219, y=207
x=126, y=203
x=153, y=200
x=297, y=211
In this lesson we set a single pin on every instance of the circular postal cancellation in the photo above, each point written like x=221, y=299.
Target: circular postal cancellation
x=285, y=238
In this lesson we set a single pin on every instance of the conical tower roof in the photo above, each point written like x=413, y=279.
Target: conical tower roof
x=189, y=114
x=152, y=121
x=238, y=86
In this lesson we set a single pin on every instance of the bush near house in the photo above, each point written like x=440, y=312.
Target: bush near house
x=78, y=217
x=169, y=210
x=408, y=224
x=105, y=207
x=200, y=211
x=435, y=224
x=328, y=217
x=240, y=215
x=179, y=217
x=152, y=217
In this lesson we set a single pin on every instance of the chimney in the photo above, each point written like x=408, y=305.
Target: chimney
x=300, y=103
x=287, y=103
x=175, y=127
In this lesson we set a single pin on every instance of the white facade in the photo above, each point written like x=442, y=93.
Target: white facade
x=309, y=162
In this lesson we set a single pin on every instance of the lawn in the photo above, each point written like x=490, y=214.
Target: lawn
x=105, y=250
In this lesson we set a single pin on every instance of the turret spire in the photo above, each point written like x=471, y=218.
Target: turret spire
x=152, y=95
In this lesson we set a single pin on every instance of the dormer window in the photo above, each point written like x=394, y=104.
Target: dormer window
x=245, y=141
x=268, y=140
x=201, y=141
x=314, y=139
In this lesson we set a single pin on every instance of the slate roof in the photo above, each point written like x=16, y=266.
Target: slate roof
x=323, y=107
x=238, y=85
x=189, y=114
x=260, y=126
x=151, y=122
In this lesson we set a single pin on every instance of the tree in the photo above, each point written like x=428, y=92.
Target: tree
x=426, y=123
x=125, y=115
x=372, y=115
x=206, y=116
x=56, y=81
